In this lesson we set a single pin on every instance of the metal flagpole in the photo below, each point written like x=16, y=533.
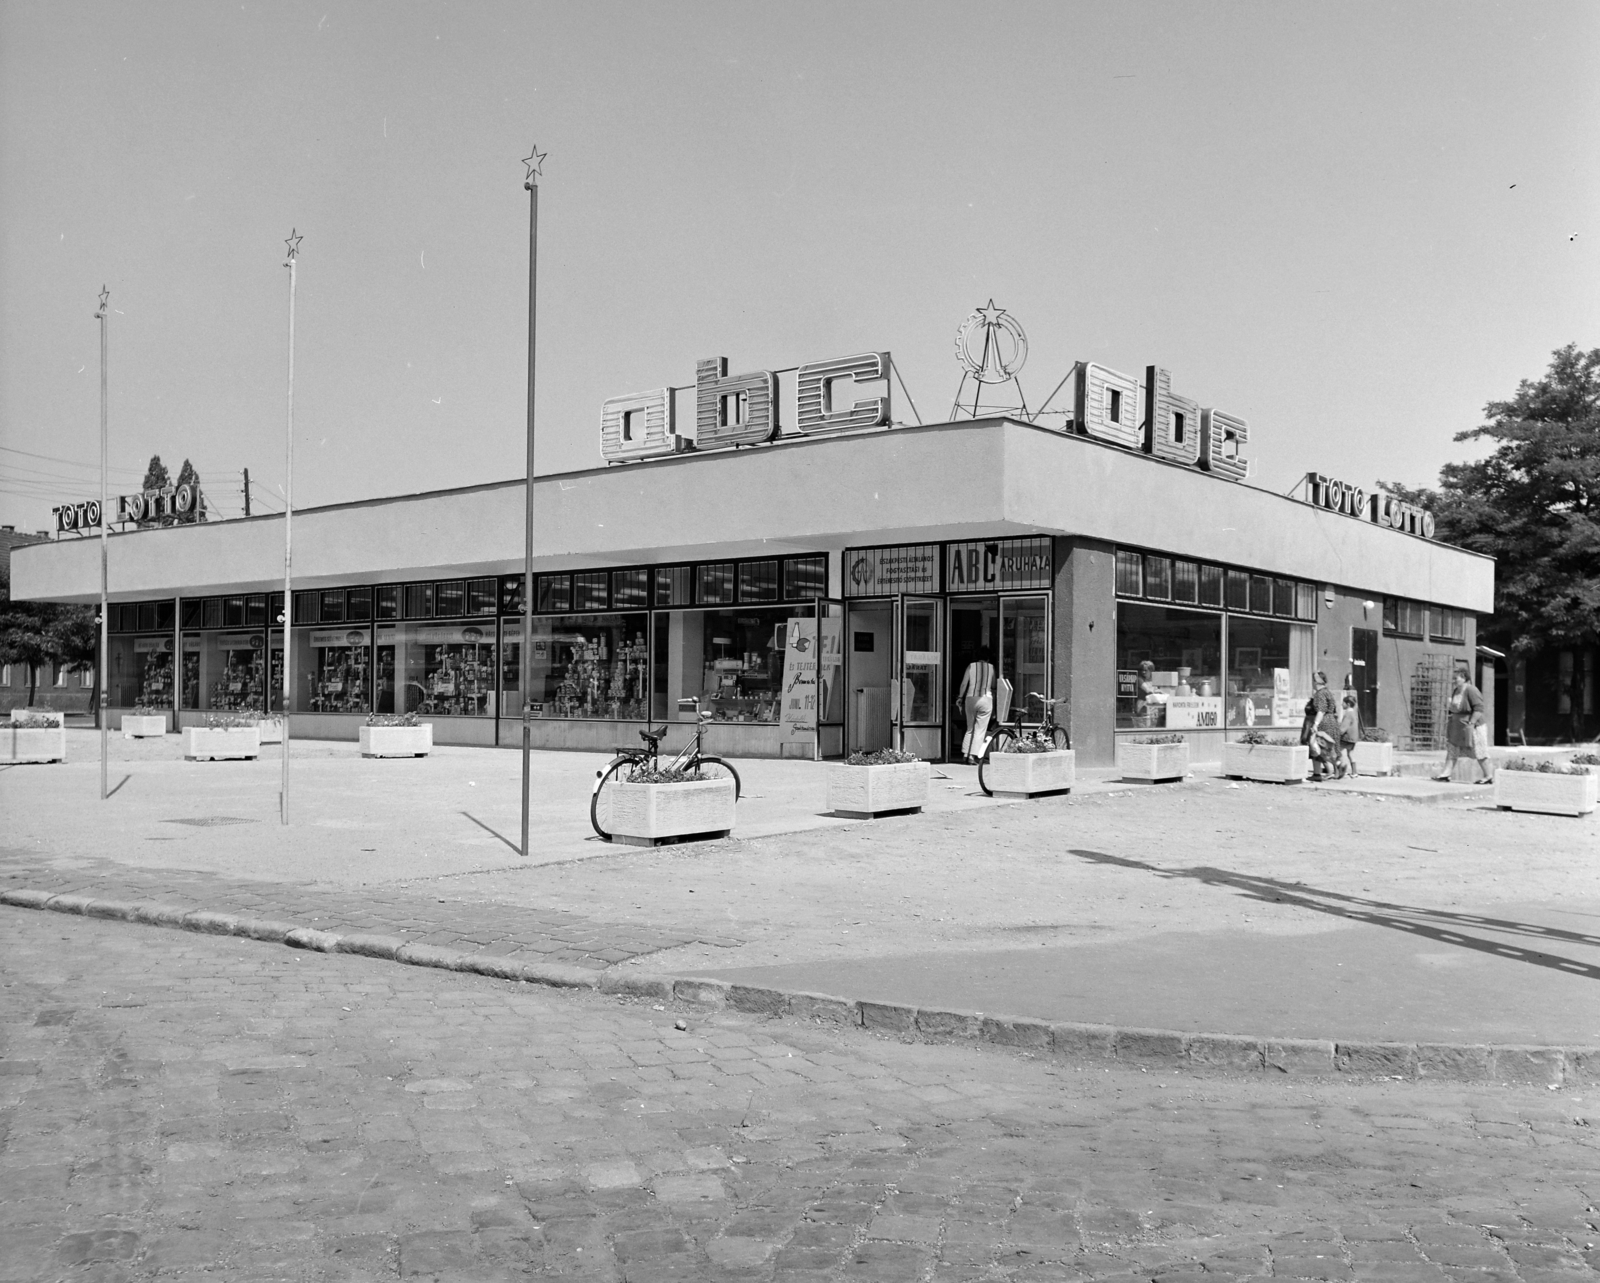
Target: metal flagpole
x=288, y=542
x=525, y=669
x=105, y=522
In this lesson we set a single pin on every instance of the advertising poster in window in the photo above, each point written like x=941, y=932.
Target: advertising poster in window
x=1194, y=712
x=798, y=718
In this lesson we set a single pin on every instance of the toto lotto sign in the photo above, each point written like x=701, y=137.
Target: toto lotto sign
x=149, y=505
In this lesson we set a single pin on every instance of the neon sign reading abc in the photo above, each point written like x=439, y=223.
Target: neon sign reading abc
x=1380, y=509
x=149, y=505
x=742, y=409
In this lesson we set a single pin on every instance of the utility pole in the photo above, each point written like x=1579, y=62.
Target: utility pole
x=247, y=492
x=293, y=242
x=531, y=183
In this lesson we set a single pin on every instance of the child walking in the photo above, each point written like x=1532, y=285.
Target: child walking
x=1349, y=734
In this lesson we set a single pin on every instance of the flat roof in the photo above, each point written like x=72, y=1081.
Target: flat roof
x=982, y=478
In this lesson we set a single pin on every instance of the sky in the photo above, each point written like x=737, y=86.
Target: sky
x=1351, y=224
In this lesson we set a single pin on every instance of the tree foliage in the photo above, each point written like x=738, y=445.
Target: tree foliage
x=40, y=633
x=1534, y=506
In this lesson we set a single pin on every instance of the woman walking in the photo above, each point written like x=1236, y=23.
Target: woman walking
x=1321, y=730
x=977, y=690
x=1467, y=731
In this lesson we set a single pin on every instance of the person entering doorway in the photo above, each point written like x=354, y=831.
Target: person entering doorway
x=976, y=694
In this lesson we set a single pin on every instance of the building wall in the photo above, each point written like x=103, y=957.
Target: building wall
x=1085, y=644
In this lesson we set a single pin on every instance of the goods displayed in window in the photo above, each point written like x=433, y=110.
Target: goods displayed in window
x=1169, y=668
x=236, y=666
x=588, y=666
x=441, y=670
x=742, y=663
x=339, y=675
x=1269, y=672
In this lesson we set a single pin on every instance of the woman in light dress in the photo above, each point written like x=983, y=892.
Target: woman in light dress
x=1467, y=731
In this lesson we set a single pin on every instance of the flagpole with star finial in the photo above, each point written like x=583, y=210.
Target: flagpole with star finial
x=533, y=161
x=105, y=521
x=293, y=242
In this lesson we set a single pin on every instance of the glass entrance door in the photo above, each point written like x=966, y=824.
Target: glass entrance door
x=869, y=675
x=921, y=683
x=1364, y=673
x=1025, y=652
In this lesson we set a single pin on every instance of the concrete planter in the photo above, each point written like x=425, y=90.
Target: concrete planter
x=1547, y=794
x=864, y=791
x=219, y=743
x=397, y=741
x=1374, y=757
x=271, y=729
x=1269, y=763
x=138, y=726
x=33, y=743
x=644, y=814
x=1027, y=774
x=1152, y=763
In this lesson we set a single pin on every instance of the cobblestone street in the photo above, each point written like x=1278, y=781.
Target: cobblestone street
x=178, y=1105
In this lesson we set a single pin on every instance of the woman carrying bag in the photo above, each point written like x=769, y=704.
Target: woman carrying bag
x=1320, y=733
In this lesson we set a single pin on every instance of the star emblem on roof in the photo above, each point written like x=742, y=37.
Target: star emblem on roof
x=105, y=298
x=293, y=242
x=991, y=315
x=534, y=161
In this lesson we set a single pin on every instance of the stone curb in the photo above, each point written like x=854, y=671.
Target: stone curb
x=1144, y=1048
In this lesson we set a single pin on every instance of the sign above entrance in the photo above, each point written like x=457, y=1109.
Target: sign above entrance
x=742, y=409
x=882, y=572
x=998, y=565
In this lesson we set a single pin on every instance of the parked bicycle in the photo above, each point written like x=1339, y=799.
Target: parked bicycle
x=691, y=762
x=1008, y=737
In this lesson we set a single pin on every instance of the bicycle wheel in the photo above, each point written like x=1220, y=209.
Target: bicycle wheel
x=1059, y=737
x=600, y=799
x=714, y=768
x=999, y=742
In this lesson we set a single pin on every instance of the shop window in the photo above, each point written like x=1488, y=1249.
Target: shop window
x=674, y=586
x=480, y=597
x=589, y=591
x=211, y=613
x=1269, y=672
x=715, y=586
x=1238, y=590
x=333, y=670
x=255, y=610
x=758, y=581
x=1260, y=595
x=1130, y=574
x=589, y=666
x=386, y=602
x=1158, y=578
x=1283, y=598
x=419, y=601
x=630, y=589
x=275, y=610
x=1185, y=581
x=166, y=616
x=305, y=608
x=437, y=670
x=511, y=587
x=237, y=676
x=332, y=607
x=1211, y=585
x=358, y=608
x=147, y=617
x=1305, y=601
x=1449, y=625
x=554, y=593
x=193, y=612
x=1404, y=618
x=1169, y=668
x=805, y=577
x=233, y=612
x=450, y=599
x=731, y=659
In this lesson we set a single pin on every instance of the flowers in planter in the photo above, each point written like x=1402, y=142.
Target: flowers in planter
x=1028, y=744
x=34, y=722
x=1586, y=759
x=1543, y=766
x=660, y=775
x=881, y=757
x=231, y=721
x=392, y=719
x=1374, y=735
x=149, y=710
x=1156, y=739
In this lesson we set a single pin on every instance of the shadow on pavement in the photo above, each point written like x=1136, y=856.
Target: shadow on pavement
x=1432, y=924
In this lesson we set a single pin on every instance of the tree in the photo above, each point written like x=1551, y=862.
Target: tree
x=1534, y=505
x=25, y=638
x=74, y=638
x=187, y=476
x=155, y=476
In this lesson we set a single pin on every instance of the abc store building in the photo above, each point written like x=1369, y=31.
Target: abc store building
x=1145, y=594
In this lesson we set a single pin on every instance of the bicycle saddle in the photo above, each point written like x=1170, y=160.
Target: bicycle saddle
x=653, y=737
